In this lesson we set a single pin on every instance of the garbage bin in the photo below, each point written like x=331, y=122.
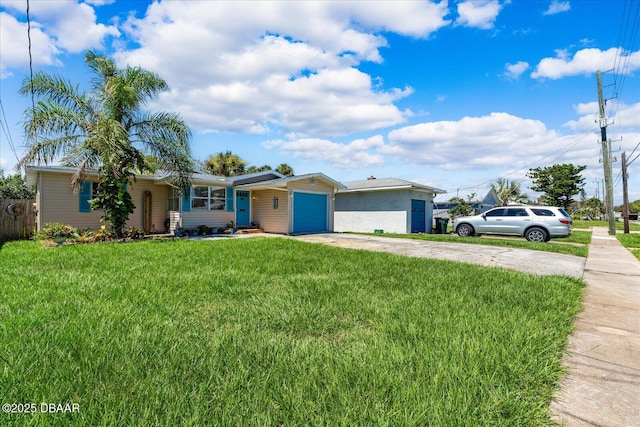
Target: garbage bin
x=441, y=225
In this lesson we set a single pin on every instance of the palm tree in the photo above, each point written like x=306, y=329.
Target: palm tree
x=106, y=129
x=285, y=169
x=225, y=164
x=254, y=169
x=509, y=192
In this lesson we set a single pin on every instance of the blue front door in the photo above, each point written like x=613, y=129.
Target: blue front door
x=243, y=212
x=418, y=216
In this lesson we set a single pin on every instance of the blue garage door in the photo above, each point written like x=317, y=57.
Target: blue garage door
x=309, y=212
x=418, y=216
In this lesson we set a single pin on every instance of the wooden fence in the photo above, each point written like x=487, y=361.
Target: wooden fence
x=17, y=219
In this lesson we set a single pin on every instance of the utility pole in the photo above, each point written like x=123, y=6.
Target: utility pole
x=625, y=195
x=606, y=160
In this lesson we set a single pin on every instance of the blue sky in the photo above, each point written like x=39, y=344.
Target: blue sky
x=450, y=94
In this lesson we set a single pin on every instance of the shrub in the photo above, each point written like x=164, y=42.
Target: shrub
x=133, y=233
x=204, y=230
x=103, y=235
x=54, y=230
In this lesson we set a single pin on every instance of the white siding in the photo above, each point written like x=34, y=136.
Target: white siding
x=388, y=210
x=57, y=202
x=213, y=218
x=159, y=195
x=368, y=222
x=271, y=220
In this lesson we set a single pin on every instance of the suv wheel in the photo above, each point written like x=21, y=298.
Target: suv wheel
x=464, y=230
x=536, y=234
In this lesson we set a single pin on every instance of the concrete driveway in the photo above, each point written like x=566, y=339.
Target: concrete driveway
x=528, y=261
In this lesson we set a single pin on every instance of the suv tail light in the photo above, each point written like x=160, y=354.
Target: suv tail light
x=565, y=221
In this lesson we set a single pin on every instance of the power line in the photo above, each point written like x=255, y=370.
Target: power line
x=627, y=37
x=33, y=103
x=559, y=154
x=634, y=150
x=5, y=129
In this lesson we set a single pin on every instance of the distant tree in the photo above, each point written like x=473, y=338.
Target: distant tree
x=225, y=164
x=633, y=207
x=106, y=129
x=254, y=169
x=592, y=208
x=558, y=183
x=14, y=187
x=463, y=207
x=151, y=165
x=509, y=192
x=285, y=169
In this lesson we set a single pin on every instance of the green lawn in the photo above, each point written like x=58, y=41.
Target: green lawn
x=630, y=241
x=264, y=331
x=576, y=244
x=619, y=224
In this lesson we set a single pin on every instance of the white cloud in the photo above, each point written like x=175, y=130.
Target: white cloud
x=589, y=118
x=478, y=13
x=356, y=154
x=514, y=71
x=585, y=61
x=300, y=76
x=73, y=25
x=99, y=2
x=56, y=26
x=14, y=45
x=498, y=139
x=557, y=6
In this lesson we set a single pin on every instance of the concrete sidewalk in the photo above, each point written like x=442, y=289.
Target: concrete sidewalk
x=602, y=385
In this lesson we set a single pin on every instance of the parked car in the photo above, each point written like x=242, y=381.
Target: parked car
x=535, y=223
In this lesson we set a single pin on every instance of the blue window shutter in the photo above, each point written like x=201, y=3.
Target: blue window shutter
x=186, y=200
x=229, y=197
x=85, y=195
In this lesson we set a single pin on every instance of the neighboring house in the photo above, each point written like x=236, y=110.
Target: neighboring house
x=278, y=204
x=490, y=201
x=392, y=205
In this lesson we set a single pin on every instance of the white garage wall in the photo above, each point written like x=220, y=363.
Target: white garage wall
x=368, y=222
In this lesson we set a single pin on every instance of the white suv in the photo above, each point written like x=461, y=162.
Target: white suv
x=535, y=223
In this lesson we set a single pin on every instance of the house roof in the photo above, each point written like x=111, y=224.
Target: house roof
x=281, y=183
x=379, y=184
x=196, y=178
x=32, y=173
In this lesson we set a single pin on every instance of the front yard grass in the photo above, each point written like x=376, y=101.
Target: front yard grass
x=630, y=241
x=264, y=331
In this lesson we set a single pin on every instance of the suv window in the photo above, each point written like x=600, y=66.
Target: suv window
x=497, y=212
x=517, y=212
x=542, y=212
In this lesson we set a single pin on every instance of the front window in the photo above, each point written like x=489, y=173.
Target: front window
x=173, y=203
x=209, y=198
